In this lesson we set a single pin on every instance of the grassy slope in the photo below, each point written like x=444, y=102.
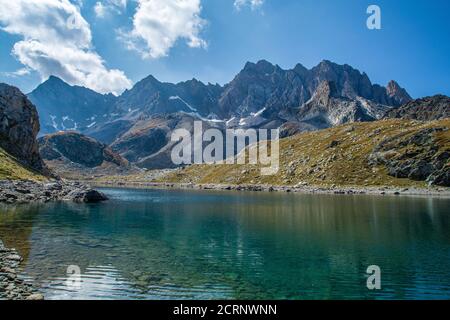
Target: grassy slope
x=307, y=158
x=11, y=169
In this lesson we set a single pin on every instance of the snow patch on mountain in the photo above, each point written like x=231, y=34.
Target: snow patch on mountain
x=187, y=104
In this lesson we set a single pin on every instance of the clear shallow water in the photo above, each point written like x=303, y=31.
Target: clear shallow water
x=163, y=244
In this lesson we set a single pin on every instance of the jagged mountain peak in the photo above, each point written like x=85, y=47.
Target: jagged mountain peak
x=300, y=69
x=52, y=82
x=393, y=85
x=261, y=88
x=55, y=79
x=262, y=66
x=326, y=64
x=337, y=71
x=261, y=95
x=397, y=93
x=150, y=79
x=62, y=106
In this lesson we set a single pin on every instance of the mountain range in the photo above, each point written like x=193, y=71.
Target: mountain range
x=138, y=123
x=117, y=135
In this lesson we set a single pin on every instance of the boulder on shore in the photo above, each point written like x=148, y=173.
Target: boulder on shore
x=30, y=191
x=87, y=196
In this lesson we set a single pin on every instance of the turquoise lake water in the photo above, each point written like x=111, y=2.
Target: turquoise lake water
x=166, y=244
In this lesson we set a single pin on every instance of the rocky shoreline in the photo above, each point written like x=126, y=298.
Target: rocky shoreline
x=12, y=287
x=306, y=189
x=19, y=191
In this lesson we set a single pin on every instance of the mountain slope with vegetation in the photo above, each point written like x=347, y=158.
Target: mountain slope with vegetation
x=381, y=153
x=11, y=169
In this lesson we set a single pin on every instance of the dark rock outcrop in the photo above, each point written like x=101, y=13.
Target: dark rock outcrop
x=79, y=149
x=19, y=126
x=425, y=109
x=75, y=156
x=415, y=156
x=30, y=191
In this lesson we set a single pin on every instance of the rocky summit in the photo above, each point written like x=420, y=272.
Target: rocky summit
x=65, y=107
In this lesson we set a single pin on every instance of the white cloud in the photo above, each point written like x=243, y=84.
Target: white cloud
x=158, y=25
x=57, y=41
x=18, y=73
x=254, y=4
x=102, y=8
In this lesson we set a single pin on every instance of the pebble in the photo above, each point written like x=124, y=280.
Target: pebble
x=35, y=296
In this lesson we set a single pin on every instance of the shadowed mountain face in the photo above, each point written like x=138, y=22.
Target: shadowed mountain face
x=65, y=107
x=138, y=124
x=148, y=142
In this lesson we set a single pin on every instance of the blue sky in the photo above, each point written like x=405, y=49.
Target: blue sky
x=114, y=43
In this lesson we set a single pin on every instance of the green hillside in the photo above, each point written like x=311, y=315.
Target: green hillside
x=11, y=169
x=357, y=154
